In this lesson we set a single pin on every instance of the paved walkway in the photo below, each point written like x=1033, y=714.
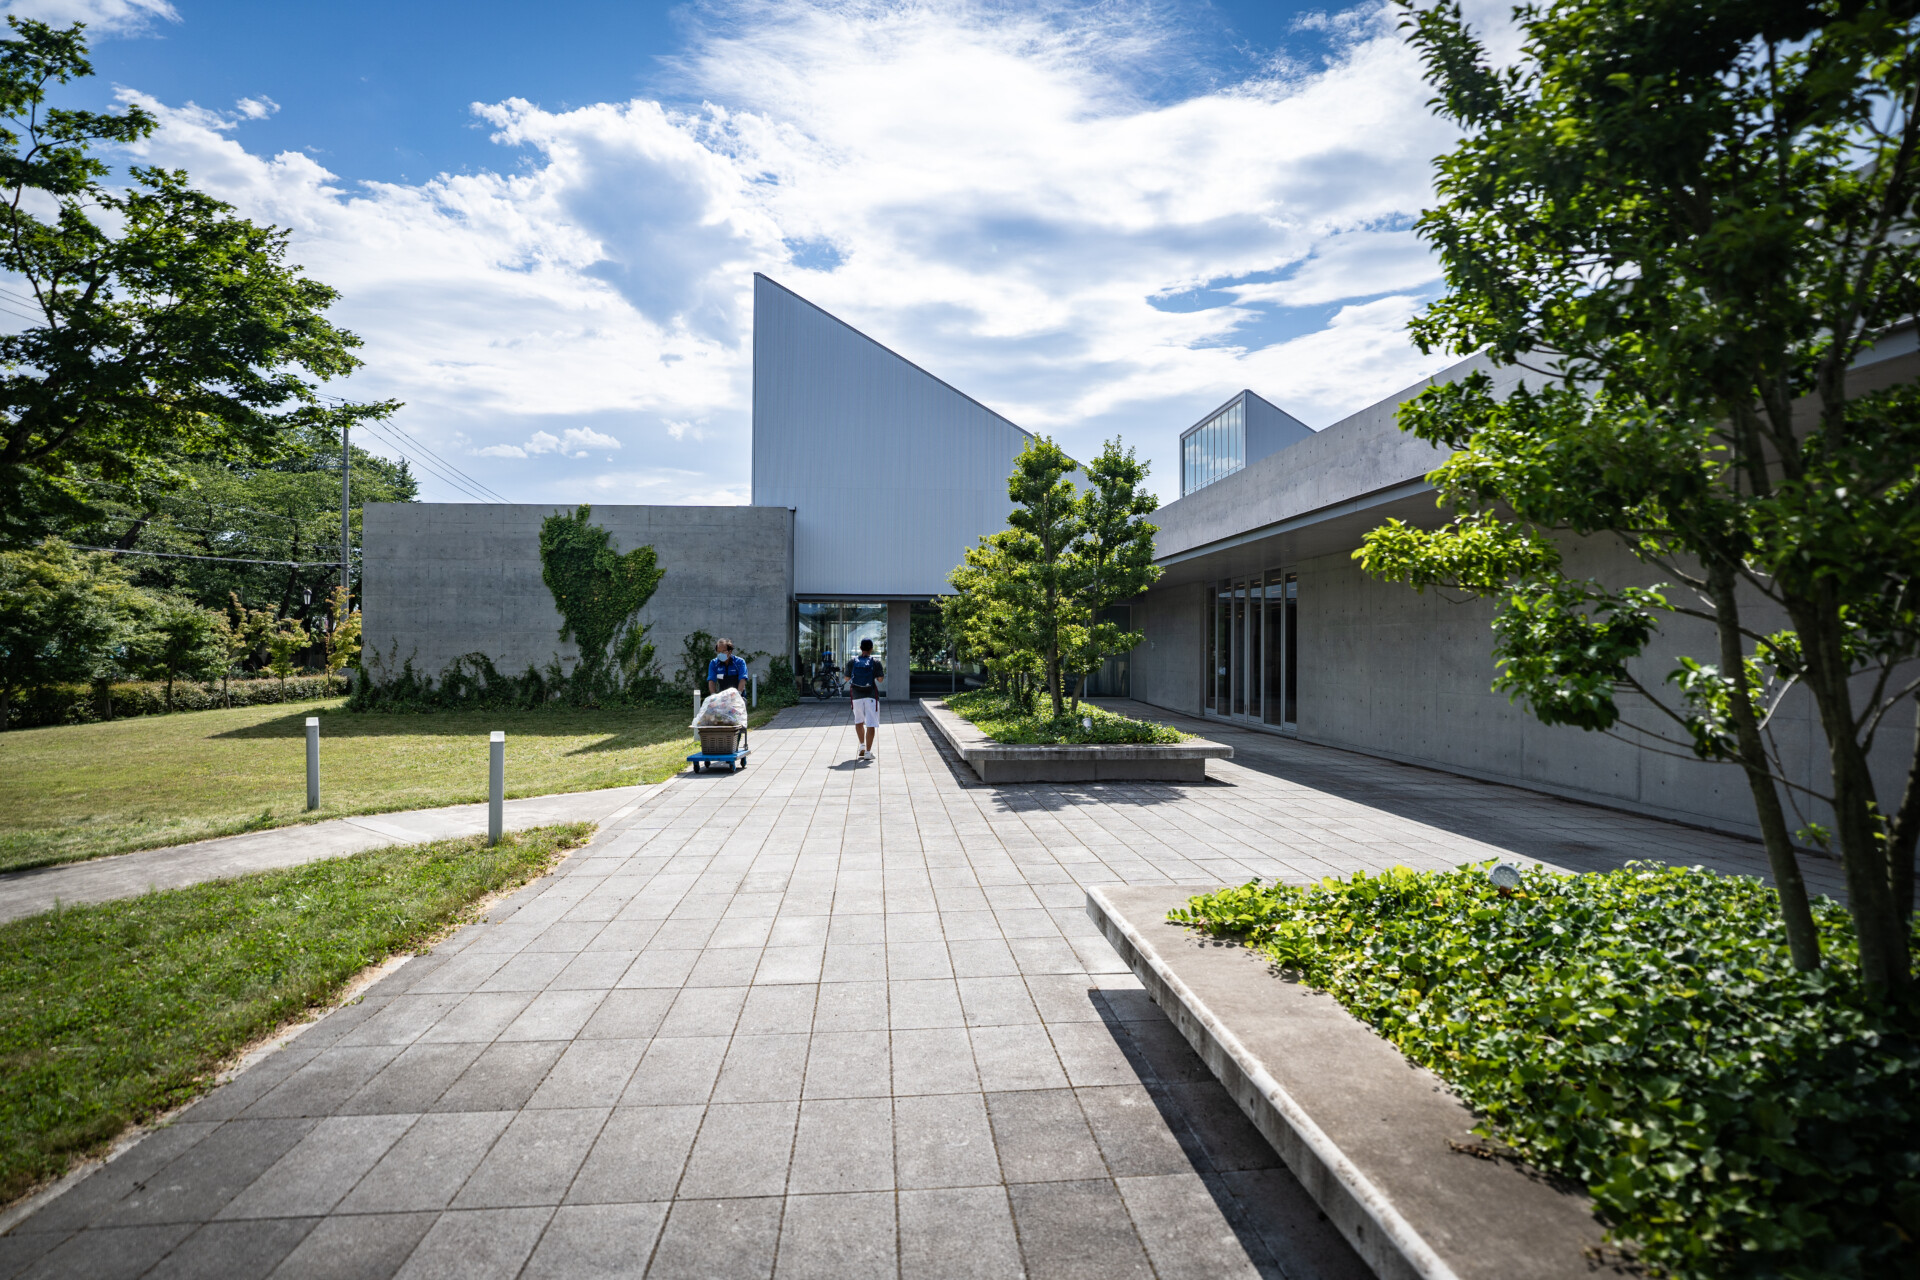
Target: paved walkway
x=814, y=1019
x=26, y=893
x=1312, y=799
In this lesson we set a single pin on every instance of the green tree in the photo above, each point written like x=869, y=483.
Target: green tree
x=1687, y=221
x=599, y=594
x=177, y=638
x=238, y=510
x=342, y=636
x=1030, y=597
x=992, y=612
x=1115, y=553
x=166, y=327
x=1047, y=517
x=241, y=632
x=284, y=644
x=61, y=615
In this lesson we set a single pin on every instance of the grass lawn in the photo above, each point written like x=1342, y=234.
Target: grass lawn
x=1003, y=719
x=79, y=791
x=113, y=1014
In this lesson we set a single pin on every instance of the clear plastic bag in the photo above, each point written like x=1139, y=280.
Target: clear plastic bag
x=723, y=710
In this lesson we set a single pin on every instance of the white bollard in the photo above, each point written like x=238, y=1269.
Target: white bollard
x=313, y=762
x=496, y=784
x=696, y=703
x=756, y=692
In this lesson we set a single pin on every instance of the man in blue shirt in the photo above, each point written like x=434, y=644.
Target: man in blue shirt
x=866, y=675
x=728, y=670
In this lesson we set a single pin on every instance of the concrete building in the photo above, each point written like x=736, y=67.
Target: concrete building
x=871, y=477
x=1262, y=618
x=1245, y=429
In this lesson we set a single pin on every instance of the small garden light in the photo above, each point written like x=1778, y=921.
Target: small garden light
x=1086, y=722
x=1505, y=877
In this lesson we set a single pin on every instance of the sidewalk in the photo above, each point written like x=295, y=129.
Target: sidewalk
x=25, y=893
x=816, y=1019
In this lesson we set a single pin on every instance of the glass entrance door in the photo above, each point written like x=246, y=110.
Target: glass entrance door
x=1252, y=670
x=1281, y=627
x=1236, y=680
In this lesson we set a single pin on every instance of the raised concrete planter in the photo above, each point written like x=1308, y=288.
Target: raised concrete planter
x=1375, y=1140
x=1142, y=762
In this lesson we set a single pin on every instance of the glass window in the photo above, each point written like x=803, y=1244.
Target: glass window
x=829, y=633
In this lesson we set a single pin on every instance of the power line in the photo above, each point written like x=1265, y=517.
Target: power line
x=181, y=555
x=433, y=465
x=431, y=469
x=484, y=492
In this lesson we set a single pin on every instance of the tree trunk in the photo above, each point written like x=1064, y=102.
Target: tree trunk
x=1803, y=940
x=6, y=707
x=169, y=693
x=1885, y=958
x=1053, y=681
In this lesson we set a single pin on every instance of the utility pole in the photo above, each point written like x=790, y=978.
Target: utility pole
x=346, y=555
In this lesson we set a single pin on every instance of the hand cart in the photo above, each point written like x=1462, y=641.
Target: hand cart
x=720, y=745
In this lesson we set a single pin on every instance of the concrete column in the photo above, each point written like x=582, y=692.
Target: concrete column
x=899, y=650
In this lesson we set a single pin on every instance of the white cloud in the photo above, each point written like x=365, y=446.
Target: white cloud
x=587, y=438
x=101, y=16
x=256, y=108
x=987, y=190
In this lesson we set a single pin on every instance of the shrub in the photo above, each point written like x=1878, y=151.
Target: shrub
x=1645, y=1033
x=85, y=704
x=1006, y=719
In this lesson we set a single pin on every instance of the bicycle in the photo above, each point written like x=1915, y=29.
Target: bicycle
x=829, y=684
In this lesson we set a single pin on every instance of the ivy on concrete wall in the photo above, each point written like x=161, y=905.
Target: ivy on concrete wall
x=599, y=592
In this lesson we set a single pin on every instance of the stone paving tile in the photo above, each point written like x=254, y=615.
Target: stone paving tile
x=815, y=1018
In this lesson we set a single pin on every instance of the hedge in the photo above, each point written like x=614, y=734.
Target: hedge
x=81, y=704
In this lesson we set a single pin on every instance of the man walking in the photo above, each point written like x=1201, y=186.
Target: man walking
x=727, y=669
x=866, y=675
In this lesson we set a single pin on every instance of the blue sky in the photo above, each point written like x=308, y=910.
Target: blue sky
x=1098, y=219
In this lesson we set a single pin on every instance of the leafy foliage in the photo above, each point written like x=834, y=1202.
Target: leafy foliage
x=56, y=704
x=179, y=638
x=113, y=1014
x=1682, y=223
x=62, y=614
x=1645, y=1033
x=1007, y=719
x=1030, y=598
x=234, y=510
x=167, y=328
x=599, y=593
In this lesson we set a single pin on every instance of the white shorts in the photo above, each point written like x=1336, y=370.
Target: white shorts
x=866, y=711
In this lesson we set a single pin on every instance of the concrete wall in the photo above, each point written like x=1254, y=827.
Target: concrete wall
x=1169, y=664
x=1391, y=672
x=445, y=579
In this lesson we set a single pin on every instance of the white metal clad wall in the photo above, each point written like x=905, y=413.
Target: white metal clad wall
x=891, y=472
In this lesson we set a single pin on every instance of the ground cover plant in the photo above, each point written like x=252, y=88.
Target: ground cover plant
x=80, y=791
x=1004, y=717
x=1645, y=1033
x=113, y=1014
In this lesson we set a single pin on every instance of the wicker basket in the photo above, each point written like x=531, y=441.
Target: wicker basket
x=719, y=740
